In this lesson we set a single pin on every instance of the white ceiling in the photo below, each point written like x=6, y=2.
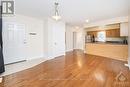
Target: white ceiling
x=74, y=12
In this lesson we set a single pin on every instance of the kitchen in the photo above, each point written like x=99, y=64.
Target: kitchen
x=109, y=41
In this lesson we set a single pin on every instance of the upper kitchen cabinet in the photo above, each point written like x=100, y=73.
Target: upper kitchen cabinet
x=113, y=30
x=91, y=33
x=113, y=33
x=124, y=29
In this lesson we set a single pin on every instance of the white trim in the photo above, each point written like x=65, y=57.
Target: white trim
x=64, y=54
x=36, y=57
x=49, y=58
x=69, y=50
x=1, y=79
x=127, y=65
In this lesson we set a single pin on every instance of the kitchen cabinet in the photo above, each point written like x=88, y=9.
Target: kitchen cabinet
x=91, y=33
x=113, y=33
x=110, y=33
x=114, y=51
x=124, y=29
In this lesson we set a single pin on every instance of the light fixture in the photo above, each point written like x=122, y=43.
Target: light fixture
x=56, y=16
x=87, y=21
x=77, y=27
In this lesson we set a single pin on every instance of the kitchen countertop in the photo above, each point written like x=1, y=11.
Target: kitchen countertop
x=110, y=50
x=111, y=43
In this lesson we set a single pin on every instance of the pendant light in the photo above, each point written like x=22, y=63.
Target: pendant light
x=56, y=16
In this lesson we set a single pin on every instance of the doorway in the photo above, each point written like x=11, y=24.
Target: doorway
x=74, y=40
x=58, y=39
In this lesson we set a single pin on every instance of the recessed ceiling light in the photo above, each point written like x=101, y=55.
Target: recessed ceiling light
x=87, y=21
x=77, y=27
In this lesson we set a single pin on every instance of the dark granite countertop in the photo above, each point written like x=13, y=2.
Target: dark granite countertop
x=112, y=43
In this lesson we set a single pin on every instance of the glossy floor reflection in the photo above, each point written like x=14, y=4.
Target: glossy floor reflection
x=76, y=69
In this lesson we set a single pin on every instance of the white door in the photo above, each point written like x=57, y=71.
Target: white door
x=14, y=40
x=74, y=40
x=59, y=39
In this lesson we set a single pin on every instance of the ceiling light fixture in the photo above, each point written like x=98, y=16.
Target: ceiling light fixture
x=56, y=16
x=77, y=27
x=87, y=21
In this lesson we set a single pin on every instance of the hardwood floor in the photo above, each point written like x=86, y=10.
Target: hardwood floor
x=76, y=69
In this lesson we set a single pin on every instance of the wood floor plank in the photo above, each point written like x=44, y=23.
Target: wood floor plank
x=76, y=69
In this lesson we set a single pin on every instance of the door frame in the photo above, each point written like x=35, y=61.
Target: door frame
x=74, y=40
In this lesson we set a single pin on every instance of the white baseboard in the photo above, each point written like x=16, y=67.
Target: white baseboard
x=127, y=65
x=35, y=57
x=74, y=49
x=69, y=50
x=1, y=79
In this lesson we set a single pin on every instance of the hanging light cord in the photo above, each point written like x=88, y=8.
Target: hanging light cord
x=56, y=9
x=56, y=14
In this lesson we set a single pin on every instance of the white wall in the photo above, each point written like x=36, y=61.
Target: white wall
x=80, y=39
x=42, y=44
x=34, y=46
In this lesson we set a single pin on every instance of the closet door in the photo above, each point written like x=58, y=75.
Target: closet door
x=14, y=42
x=58, y=39
x=1, y=47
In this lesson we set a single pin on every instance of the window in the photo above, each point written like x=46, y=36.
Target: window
x=101, y=36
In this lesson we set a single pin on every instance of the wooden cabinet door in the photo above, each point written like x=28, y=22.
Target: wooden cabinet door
x=113, y=33
x=91, y=33
x=108, y=33
x=95, y=33
x=117, y=33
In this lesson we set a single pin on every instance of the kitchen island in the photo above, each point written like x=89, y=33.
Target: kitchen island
x=110, y=50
